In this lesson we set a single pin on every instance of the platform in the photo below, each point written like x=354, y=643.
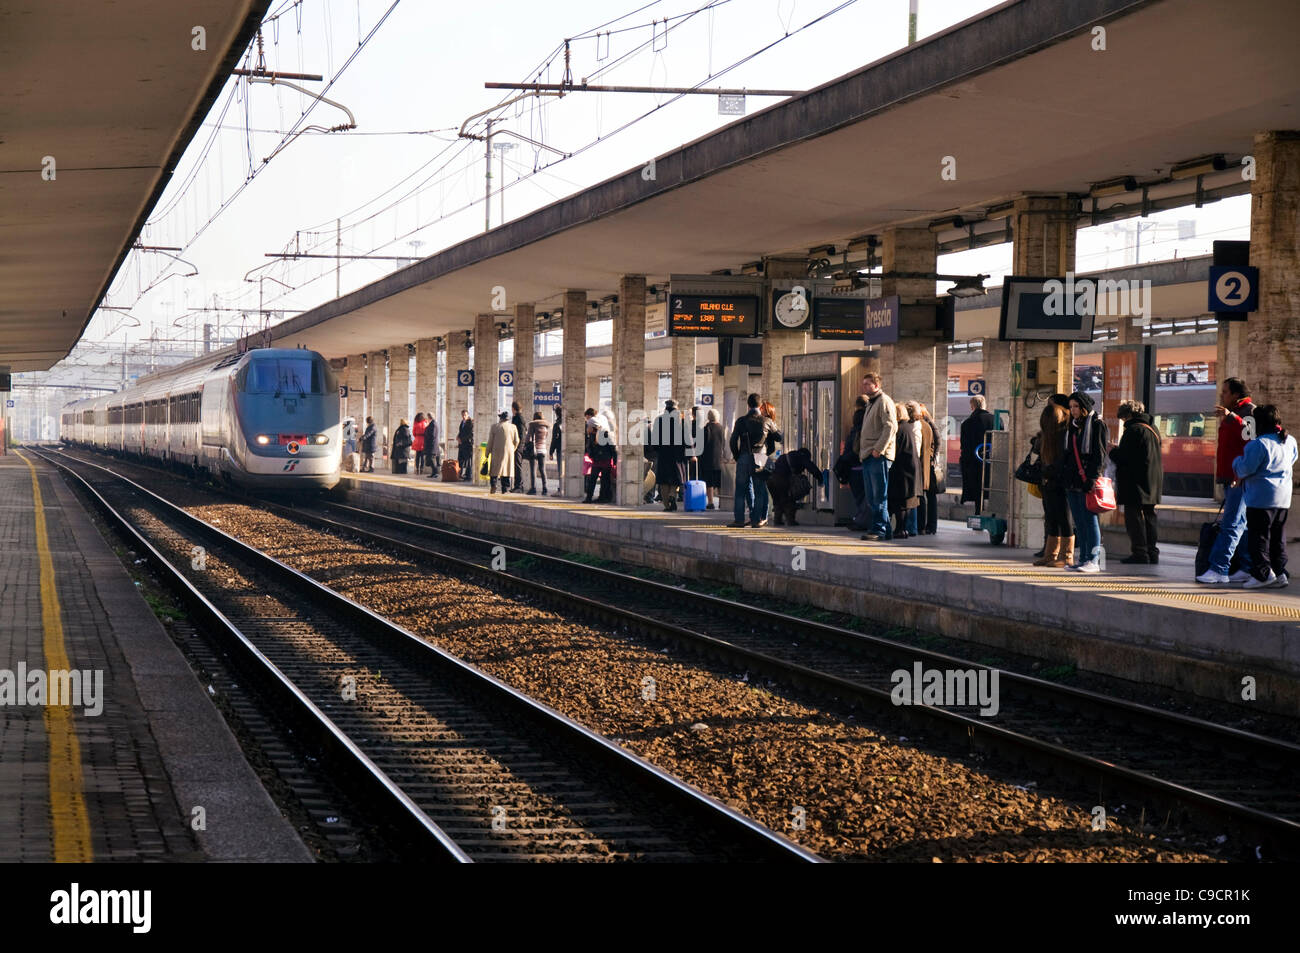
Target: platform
x=114, y=776
x=1148, y=624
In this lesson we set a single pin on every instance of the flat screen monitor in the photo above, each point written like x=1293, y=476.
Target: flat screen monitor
x=712, y=315
x=839, y=318
x=1047, y=309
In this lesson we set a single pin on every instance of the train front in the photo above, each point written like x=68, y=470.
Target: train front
x=288, y=411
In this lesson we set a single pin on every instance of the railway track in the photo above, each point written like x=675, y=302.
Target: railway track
x=1173, y=765
x=452, y=763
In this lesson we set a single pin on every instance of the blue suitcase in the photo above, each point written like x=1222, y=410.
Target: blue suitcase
x=696, y=497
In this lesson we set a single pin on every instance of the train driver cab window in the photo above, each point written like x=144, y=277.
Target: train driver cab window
x=284, y=376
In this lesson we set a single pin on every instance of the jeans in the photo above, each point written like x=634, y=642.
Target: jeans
x=745, y=487
x=1087, y=528
x=909, y=524
x=873, y=516
x=1231, y=528
x=1267, y=541
x=761, y=499
x=536, y=463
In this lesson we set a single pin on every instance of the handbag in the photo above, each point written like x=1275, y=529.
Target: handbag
x=586, y=464
x=1031, y=473
x=483, y=470
x=1101, y=498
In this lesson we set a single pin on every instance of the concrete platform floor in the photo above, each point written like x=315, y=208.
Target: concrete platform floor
x=1147, y=624
x=120, y=784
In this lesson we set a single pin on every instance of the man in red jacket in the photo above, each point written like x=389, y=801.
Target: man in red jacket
x=1236, y=429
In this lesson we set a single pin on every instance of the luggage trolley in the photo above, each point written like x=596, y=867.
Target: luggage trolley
x=996, y=488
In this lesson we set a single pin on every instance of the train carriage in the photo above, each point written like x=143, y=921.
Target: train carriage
x=268, y=418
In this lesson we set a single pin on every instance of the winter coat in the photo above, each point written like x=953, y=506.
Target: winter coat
x=555, y=440
x=401, y=444
x=1232, y=439
x=879, y=427
x=753, y=433
x=925, y=450
x=538, y=431
x=714, y=440
x=520, y=427
x=502, y=442
x=665, y=439
x=432, y=436
x=1139, y=472
x=465, y=435
x=1090, y=437
x=1265, y=468
x=903, y=490
x=417, y=435
x=370, y=440
x=973, y=429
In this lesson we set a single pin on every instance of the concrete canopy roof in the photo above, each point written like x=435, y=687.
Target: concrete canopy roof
x=1018, y=96
x=114, y=92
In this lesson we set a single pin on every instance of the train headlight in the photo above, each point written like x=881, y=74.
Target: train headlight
x=320, y=438
x=263, y=439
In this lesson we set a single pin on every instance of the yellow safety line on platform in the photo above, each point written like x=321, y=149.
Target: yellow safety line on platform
x=68, y=815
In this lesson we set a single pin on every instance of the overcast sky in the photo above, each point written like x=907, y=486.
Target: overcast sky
x=403, y=184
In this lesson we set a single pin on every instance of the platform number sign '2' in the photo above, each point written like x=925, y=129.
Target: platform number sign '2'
x=1233, y=289
x=464, y=378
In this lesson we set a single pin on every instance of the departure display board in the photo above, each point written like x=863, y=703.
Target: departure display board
x=839, y=319
x=712, y=316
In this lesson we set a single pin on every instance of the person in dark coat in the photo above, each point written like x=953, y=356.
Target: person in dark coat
x=752, y=433
x=1139, y=477
x=465, y=445
x=715, y=440
x=557, y=451
x=669, y=444
x=973, y=430
x=937, y=466
x=1084, y=455
x=904, y=476
x=369, y=446
x=401, y=446
x=517, y=418
x=779, y=484
x=848, y=468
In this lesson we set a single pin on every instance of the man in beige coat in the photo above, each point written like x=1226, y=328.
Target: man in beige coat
x=876, y=445
x=502, y=441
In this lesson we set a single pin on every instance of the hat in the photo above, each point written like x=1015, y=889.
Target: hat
x=1060, y=400
x=505, y=415
x=1083, y=400
x=670, y=405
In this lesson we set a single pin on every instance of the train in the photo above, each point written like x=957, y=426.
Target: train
x=1185, y=396
x=266, y=419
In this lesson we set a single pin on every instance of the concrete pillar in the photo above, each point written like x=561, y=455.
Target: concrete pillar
x=628, y=391
x=426, y=376
x=684, y=372
x=399, y=389
x=525, y=349
x=912, y=368
x=1043, y=229
x=487, y=397
x=1130, y=330
x=355, y=378
x=573, y=390
x=1274, y=371
x=376, y=387
x=457, y=396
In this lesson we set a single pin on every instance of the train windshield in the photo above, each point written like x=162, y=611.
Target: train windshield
x=285, y=375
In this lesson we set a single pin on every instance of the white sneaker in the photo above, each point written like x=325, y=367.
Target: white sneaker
x=1281, y=581
x=1254, y=583
x=1212, y=578
x=1240, y=576
x=1090, y=567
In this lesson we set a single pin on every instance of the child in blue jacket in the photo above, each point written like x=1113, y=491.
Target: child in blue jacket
x=1264, y=469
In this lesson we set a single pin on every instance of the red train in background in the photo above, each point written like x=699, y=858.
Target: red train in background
x=1185, y=394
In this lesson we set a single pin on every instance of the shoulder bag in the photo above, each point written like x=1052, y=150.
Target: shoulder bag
x=1101, y=498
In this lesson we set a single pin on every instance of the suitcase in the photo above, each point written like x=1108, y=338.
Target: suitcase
x=1210, y=535
x=352, y=462
x=695, y=496
x=450, y=471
